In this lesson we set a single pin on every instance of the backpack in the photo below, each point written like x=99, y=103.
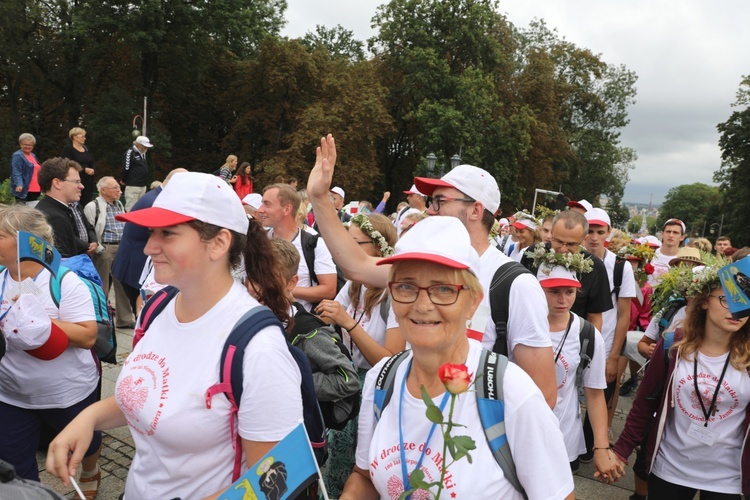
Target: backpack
x=499, y=301
x=617, y=276
x=231, y=374
x=588, y=344
x=309, y=242
x=13, y=487
x=306, y=326
x=105, y=346
x=489, y=402
x=674, y=304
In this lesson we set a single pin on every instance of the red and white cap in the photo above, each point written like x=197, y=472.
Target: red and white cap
x=413, y=190
x=652, y=241
x=339, y=191
x=474, y=182
x=503, y=222
x=442, y=240
x=556, y=276
x=30, y=329
x=597, y=217
x=524, y=223
x=583, y=204
x=193, y=196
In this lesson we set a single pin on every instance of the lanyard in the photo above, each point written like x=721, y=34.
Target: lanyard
x=565, y=336
x=2, y=295
x=404, y=472
x=711, y=408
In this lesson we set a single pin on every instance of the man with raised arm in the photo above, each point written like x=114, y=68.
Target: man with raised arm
x=471, y=195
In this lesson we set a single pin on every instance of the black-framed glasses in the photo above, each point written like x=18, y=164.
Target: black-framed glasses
x=444, y=294
x=437, y=201
x=567, y=244
x=722, y=300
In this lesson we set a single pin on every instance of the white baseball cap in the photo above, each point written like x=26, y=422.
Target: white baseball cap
x=26, y=332
x=470, y=180
x=193, y=196
x=524, y=221
x=253, y=199
x=413, y=190
x=338, y=191
x=143, y=141
x=597, y=217
x=503, y=222
x=580, y=204
x=443, y=240
x=556, y=276
x=652, y=241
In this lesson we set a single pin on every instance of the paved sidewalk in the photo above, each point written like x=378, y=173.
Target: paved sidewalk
x=117, y=452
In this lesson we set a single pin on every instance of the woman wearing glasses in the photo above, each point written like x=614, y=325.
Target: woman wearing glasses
x=699, y=392
x=435, y=292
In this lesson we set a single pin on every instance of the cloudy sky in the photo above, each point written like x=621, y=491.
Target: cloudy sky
x=689, y=56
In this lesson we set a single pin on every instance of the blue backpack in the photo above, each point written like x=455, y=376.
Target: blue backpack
x=231, y=374
x=489, y=402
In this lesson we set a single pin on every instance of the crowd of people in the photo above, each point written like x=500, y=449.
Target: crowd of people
x=553, y=317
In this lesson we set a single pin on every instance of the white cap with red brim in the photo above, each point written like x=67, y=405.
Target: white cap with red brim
x=193, y=196
x=556, y=277
x=442, y=240
x=474, y=182
x=597, y=217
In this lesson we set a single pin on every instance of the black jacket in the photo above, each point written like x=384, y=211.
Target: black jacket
x=64, y=229
x=134, y=168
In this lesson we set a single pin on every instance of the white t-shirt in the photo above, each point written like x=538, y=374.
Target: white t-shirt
x=323, y=265
x=517, y=253
x=661, y=266
x=682, y=458
x=627, y=291
x=652, y=330
x=531, y=428
x=372, y=323
x=567, y=408
x=28, y=382
x=182, y=448
x=527, y=308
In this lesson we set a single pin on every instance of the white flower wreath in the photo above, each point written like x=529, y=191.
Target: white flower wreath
x=364, y=224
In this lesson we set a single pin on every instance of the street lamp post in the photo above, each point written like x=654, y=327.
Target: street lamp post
x=431, y=160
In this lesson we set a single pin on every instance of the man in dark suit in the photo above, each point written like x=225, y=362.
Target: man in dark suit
x=60, y=180
x=130, y=259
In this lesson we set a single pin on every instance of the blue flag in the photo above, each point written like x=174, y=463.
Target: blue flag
x=735, y=279
x=32, y=247
x=284, y=472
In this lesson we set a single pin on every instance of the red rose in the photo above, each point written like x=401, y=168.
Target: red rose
x=455, y=378
x=648, y=268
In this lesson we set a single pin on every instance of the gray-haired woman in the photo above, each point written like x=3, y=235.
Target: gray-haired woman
x=24, y=168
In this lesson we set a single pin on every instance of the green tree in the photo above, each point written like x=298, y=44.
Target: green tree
x=618, y=213
x=734, y=174
x=634, y=224
x=694, y=204
x=338, y=41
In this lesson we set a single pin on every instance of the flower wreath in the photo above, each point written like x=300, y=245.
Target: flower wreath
x=644, y=253
x=364, y=224
x=687, y=281
x=541, y=212
x=546, y=260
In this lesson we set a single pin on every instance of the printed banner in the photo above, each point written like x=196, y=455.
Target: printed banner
x=284, y=472
x=32, y=247
x=735, y=279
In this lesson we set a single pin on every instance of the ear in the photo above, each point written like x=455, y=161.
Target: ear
x=292, y=283
x=477, y=211
x=220, y=244
x=475, y=301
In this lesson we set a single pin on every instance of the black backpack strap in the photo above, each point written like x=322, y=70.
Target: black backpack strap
x=153, y=307
x=309, y=242
x=384, y=383
x=500, y=302
x=617, y=277
x=588, y=346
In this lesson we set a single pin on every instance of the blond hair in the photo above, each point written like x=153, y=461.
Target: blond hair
x=24, y=218
x=75, y=131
